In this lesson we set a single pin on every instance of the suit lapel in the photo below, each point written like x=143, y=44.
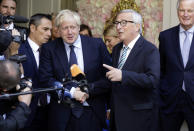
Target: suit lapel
x=135, y=50
x=32, y=58
x=176, y=45
x=191, y=53
x=62, y=55
x=85, y=51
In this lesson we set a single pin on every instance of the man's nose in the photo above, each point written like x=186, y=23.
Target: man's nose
x=8, y=11
x=69, y=30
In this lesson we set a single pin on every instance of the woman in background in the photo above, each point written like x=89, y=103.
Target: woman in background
x=110, y=37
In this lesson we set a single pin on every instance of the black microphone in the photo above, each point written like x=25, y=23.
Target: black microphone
x=10, y=19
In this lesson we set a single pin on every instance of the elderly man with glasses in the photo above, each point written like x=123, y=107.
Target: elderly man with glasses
x=134, y=75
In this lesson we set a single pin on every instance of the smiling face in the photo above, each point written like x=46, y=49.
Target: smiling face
x=69, y=31
x=41, y=34
x=186, y=13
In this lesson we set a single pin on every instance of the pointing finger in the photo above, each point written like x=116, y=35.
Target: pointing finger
x=108, y=67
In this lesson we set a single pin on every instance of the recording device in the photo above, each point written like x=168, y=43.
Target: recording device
x=14, y=19
x=23, y=83
x=79, y=76
x=5, y=41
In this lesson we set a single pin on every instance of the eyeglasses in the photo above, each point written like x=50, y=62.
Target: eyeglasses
x=122, y=23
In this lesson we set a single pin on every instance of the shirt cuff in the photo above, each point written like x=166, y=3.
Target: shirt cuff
x=72, y=92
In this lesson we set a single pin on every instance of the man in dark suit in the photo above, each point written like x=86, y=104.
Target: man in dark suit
x=12, y=119
x=177, y=71
x=55, y=61
x=134, y=75
x=40, y=32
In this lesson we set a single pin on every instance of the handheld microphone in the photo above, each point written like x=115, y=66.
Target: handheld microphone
x=61, y=93
x=76, y=73
x=79, y=76
x=15, y=19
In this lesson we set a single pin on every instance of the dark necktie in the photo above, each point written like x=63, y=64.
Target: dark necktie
x=72, y=57
x=43, y=96
x=77, y=110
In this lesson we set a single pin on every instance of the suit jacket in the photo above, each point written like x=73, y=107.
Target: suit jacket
x=30, y=71
x=135, y=97
x=54, y=67
x=15, y=119
x=173, y=72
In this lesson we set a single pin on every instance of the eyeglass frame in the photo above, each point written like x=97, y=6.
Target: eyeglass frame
x=116, y=23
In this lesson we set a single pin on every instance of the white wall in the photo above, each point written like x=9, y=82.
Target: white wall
x=170, y=18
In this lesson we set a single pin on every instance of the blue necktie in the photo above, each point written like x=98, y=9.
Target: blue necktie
x=72, y=58
x=123, y=57
x=77, y=110
x=186, y=48
x=185, y=52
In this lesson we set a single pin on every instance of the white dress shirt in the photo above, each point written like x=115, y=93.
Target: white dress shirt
x=130, y=45
x=35, y=51
x=182, y=35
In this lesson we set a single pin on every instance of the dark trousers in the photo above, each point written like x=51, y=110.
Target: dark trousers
x=58, y=116
x=87, y=122
x=174, y=120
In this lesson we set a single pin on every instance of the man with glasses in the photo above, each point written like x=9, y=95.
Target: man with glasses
x=177, y=71
x=135, y=76
x=55, y=61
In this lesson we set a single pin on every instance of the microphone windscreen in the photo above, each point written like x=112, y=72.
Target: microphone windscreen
x=20, y=19
x=58, y=84
x=75, y=70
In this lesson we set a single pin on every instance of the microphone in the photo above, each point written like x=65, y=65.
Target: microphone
x=10, y=19
x=76, y=73
x=20, y=19
x=79, y=76
x=61, y=93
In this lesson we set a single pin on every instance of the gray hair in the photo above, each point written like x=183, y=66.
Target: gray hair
x=137, y=18
x=178, y=3
x=65, y=15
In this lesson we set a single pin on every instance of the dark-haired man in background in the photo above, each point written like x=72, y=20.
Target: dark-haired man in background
x=40, y=26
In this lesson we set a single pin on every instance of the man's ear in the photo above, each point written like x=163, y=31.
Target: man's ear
x=32, y=28
x=138, y=27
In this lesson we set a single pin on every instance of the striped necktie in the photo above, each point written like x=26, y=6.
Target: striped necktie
x=123, y=57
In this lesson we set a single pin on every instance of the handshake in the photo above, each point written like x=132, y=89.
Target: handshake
x=76, y=89
x=68, y=92
x=80, y=95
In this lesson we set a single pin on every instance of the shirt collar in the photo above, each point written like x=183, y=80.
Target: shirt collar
x=33, y=45
x=191, y=30
x=132, y=43
x=77, y=43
